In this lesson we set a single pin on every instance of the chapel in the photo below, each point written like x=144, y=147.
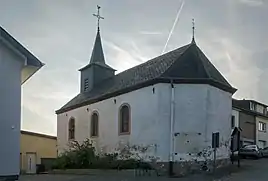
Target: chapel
x=173, y=102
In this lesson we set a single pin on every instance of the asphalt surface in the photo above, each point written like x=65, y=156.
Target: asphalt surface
x=250, y=170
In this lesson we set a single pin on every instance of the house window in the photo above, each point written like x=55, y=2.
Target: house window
x=265, y=110
x=262, y=126
x=71, y=129
x=253, y=106
x=94, y=124
x=124, y=119
x=86, y=85
x=233, y=122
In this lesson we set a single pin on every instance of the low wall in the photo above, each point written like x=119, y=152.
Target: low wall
x=128, y=173
x=180, y=169
x=194, y=167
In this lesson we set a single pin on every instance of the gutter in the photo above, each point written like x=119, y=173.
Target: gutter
x=138, y=86
x=171, y=150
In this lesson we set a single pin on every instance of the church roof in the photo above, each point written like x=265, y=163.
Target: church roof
x=97, y=56
x=187, y=65
x=97, y=53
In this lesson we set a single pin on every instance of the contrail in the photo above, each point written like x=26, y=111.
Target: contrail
x=174, y=24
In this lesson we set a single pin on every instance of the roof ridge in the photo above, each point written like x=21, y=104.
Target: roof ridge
x=200, y=52
x=205, y=68
x=152, y=59
x=189, y=45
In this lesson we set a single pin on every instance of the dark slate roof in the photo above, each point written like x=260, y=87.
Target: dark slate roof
x=97, y=56
x=256, y=102
x=245, y=103
x=242, y=104
x=187, y=64
x=97, y=53
x=31, y=59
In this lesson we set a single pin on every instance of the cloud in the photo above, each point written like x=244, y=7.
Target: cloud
x=61, y=34
x=233, y=59
x=150, y=33
x=252, y=2
x=28, y=123
x=123, y=59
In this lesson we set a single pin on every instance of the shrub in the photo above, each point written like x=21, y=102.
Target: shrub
x=83, y=156
x=78, y=156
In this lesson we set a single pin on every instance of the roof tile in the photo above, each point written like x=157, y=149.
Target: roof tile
x=185, y=63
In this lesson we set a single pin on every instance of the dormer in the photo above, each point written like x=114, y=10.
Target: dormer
x=258, y=107
x=253, y=106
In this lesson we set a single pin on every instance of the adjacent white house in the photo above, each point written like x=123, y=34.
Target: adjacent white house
x=261, y=131
x=173, y=102
x=252, y=117
x=17, y=65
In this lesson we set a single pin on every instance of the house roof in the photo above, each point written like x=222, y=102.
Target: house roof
x=243, y=105
x=38, y=134
x=265, y=105
x=31, y=60
x=187, y=65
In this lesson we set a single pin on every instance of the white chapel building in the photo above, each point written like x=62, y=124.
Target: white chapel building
x=174, y=102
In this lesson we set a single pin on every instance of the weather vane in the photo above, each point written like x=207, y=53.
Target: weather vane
x=193, y=30
x=98, y=16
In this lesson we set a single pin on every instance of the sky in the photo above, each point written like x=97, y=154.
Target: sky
x=232, y=33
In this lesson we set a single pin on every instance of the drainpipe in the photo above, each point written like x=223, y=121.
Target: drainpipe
x=171, y=151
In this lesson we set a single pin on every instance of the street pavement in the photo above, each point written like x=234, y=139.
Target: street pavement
x=250, y=170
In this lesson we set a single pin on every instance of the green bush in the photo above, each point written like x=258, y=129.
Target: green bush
x=83, y=156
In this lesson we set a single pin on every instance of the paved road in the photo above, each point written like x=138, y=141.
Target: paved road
x=251, y=170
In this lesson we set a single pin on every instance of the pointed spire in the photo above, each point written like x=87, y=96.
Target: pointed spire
x=97, y=55
x=97, y=52
x=193, y=40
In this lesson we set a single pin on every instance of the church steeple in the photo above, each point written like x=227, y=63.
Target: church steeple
x=97, y=70
x=97, y=55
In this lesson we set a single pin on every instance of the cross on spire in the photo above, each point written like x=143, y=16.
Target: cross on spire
x=98, y=17
x=193, y=41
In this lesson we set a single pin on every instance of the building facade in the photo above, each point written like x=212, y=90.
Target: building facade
x=150, y=109
x=253, y=118
x=262, y=135
x=159, y=104
x=17, y=65
x=33, y=148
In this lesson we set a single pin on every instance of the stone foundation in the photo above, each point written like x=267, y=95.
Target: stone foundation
x=181, y=169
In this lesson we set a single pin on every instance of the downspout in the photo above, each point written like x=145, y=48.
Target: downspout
x=171, y=151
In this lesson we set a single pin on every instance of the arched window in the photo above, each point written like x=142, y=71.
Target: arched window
x=124, y=119
x=94, y=124
x=72, y=129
